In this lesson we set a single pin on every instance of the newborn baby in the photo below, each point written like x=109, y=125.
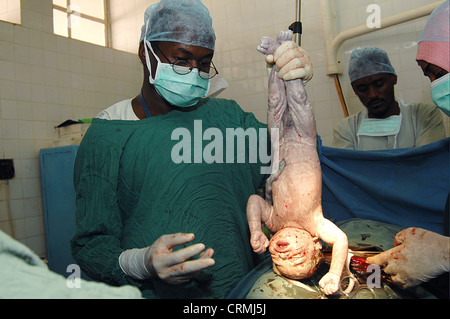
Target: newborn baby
x=296, y=189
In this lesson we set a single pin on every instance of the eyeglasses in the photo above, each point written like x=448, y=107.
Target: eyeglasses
x=205, y=70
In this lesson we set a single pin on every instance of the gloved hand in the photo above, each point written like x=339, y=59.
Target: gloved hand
x=160, y=261
x=292, y=62
x=418, y=256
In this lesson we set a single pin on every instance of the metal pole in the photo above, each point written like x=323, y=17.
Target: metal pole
x=299, y=11
x=296, y=27
x=299, y=19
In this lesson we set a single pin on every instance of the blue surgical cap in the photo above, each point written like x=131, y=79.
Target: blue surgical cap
x=182, y=21
x=367, y=62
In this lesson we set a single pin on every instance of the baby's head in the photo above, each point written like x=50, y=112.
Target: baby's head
x=295, y=253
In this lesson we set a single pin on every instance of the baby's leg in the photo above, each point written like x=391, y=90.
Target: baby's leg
x=258, y=211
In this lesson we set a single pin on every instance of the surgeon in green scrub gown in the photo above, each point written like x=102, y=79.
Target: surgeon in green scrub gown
x=161, y=200
x=130, y=192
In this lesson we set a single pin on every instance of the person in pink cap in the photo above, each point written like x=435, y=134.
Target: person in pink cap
x=420, y=255
x=433, y=55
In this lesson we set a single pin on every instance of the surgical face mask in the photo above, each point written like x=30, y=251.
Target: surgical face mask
x=381, y=127
x=179, y=90
x=440, y=93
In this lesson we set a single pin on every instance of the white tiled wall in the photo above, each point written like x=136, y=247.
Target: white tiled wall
x=46, y=79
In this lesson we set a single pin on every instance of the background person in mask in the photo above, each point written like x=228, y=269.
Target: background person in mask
x=433, y=56
x=387, y=122
x=175, y=229
x=421, y=255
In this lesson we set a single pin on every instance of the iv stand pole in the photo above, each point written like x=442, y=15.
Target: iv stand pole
x=296, y=27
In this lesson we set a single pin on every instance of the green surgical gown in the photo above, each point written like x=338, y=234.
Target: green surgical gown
x=131, y=188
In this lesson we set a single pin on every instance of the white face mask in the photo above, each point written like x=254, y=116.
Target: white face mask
x=381, y=127
x=179, y=90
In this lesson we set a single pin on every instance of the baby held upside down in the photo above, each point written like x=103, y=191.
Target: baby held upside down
x=295, y=190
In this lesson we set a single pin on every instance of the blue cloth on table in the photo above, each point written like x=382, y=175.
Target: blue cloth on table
x=404, y=187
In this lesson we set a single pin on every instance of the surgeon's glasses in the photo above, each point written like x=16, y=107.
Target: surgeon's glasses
x=183, y=67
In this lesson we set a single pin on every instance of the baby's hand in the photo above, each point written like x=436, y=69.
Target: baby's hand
x=329, y=283
x=259, y=242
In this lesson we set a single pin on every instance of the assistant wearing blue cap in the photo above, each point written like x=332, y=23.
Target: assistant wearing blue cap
x=368, y=61
x=387, y=122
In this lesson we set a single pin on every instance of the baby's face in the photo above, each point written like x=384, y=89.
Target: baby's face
x=295, y=253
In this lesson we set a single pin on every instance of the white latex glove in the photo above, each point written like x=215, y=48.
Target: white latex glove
x=160, y=261
x=292, y=62
x=418, y=256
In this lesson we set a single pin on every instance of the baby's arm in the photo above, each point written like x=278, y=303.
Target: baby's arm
x=332, y=235
x=258, y=211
